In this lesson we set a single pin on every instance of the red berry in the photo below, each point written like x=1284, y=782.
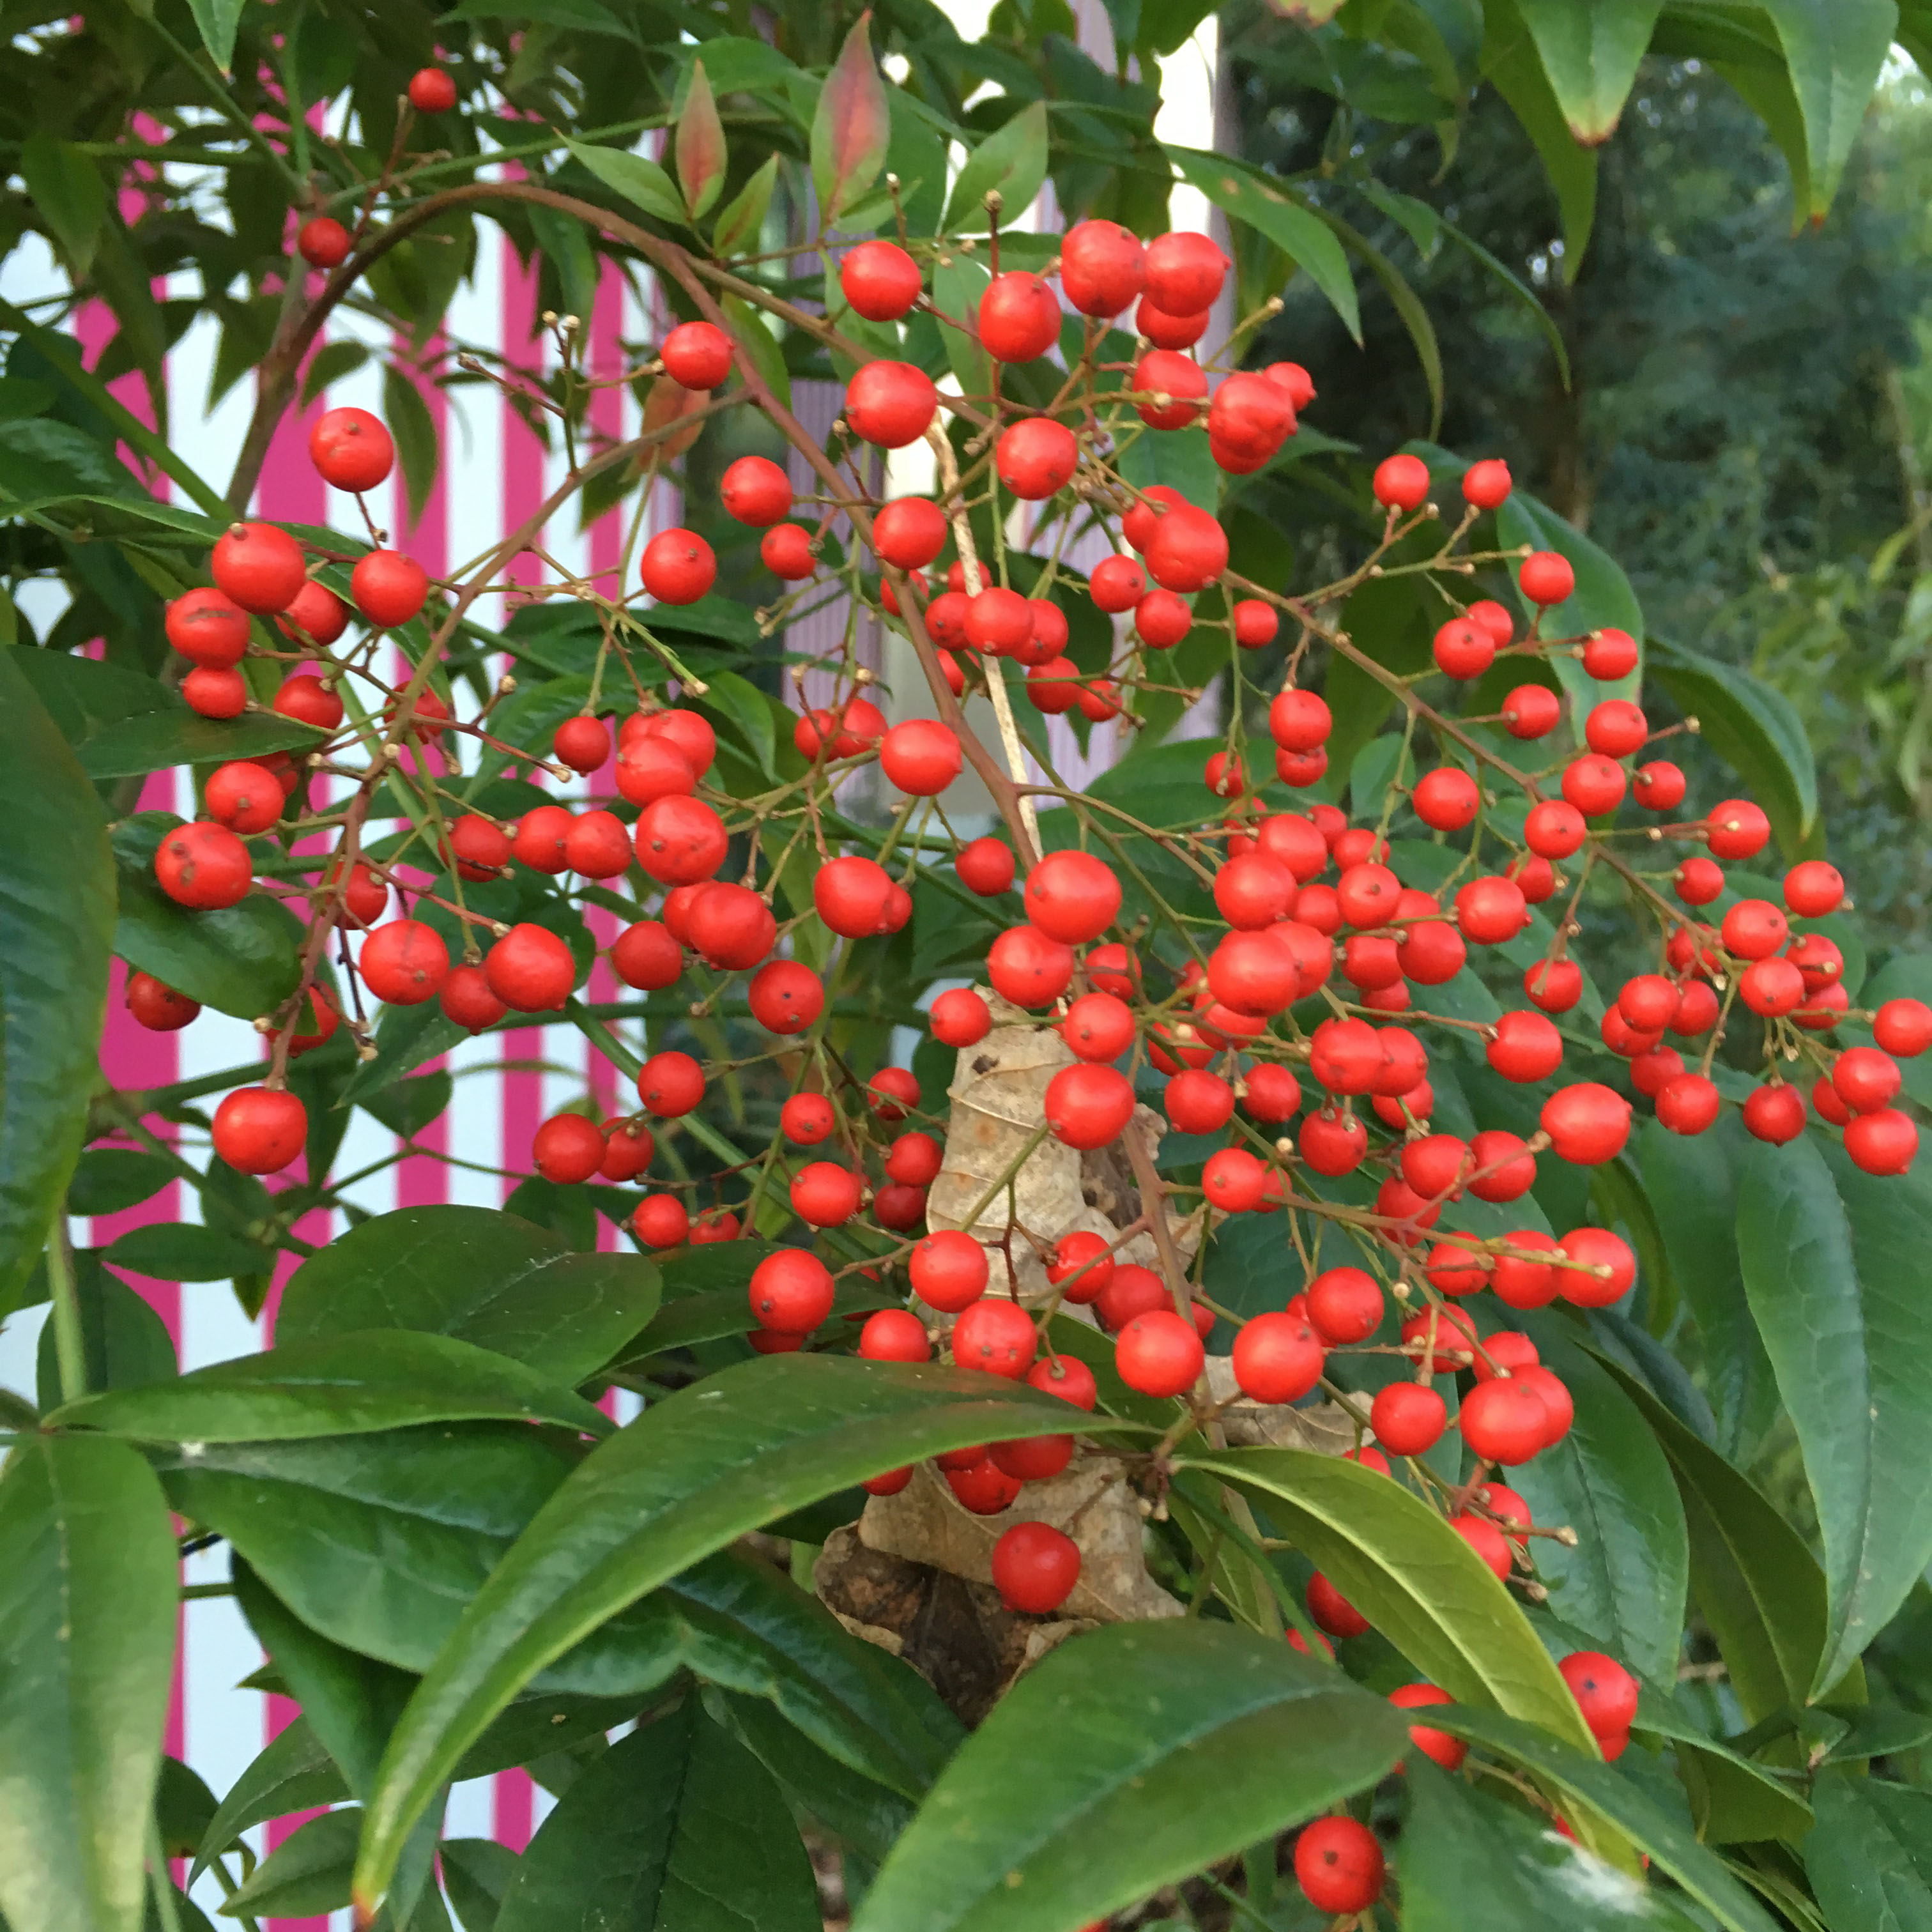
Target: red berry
x=920, y=757
x=1030, y=969
x=389, y=588
x=1081, y=1266
x=350, y=448
x=1087, y=1106
x=1904, y=1027
x=323, y=242
x=645, y=955
x=582, y=743
x=785, y=996
x=530, y=969
x=806, y=1119
x=208, y=628
x=1072, y=897
x=879, y=280
x=158, y=1007
x=996, y=1336
x=1587, y=1124
x=431, y=91
x=1407, y=1418
x=1402, y=482
x=202, y=866
x=1503, y=1422
x=404, y=962
x=1278, y=1358
x=1184, y=272
x=1035, y=1568
x=670, y=1084
x=1158, y=1353
x=1447, y=1751
x=894, y=1335
x=948, y=1270
x=1545, y=577
x=697, y=355
x=1659, y=786
x=1775, y=1113
x=1737, y=829
x=680, y=841
x=1532, y=710
x=1606, y=1692
x=961, y=1017
x=1606, y=1267
x=260, y=1129
x=1019, y=317
x=258, y=567
x=1036, y=457
x=1865, y=1079
x=679, y=567
x=1102, y=268
x=1593, y=784
x=1609, y=654
x=1486, y=484
x=890, y=403
x=1187, y=550
x=568, y=1148
x=790, y=1292
x=1883, y=1142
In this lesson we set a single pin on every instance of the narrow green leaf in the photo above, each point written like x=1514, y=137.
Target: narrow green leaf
x=66, y=189
x=476, y=1873
x=1408, y=305
x=482, y=1275
x=1151, y=1750
x=699, y=146
x=124, y=1342
x=690, y=1474
x=1510, y=61
x=678, y=1829
x=1590, y=55
x=749, y=329
x=1836, y=50
x=1611, y=1795
x=157, y=741
x=218, y=20
x=181, y=1251
x=88, y=1600
x=737, y=229
x=1410, y=1575
x=640, y=181
x=293, y=1773
x=418, y=448
x=334, y=1385
x=57, y=909
x=1869, y=1858
x=333, y=362
x=1831, y=1261
x=1526, y=298
x=306, y=1874
x=1239, y=191
x=850, y=128
x=1010, y=163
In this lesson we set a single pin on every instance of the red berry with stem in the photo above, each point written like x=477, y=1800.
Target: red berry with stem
x=1159, y=1354
x=260, y=1129
x=1277, y=1357
x=995, y=1336
x=1339, y=1863
x=697, y=355
x=258, y=567
x=790, y=1292
x=879, y=280
x=1408, y=1418
x=351, y=449
x=948, y=1270
x=158, y=1007
x=568, y=1148
x=1035, y=1568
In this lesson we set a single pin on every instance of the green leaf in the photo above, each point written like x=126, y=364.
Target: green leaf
x=218, y=20
x=1613, y=1796
x=180, y=1251
x=1754, y=728
x=306, y=1874
x=1408, y=305
x=1835, y=50
x=1117, y=1731
x=294, y=1773
x=1758, y=1586
x=124, y=1344
x=417, y=449
x=476, y=1872
x=1525, y=296
x=1869, y=1858
x=482, y=1275
x=701, y=151
x=1247, y=196
x=737, y=229
x=109, y=1181
x=1410, y=1575
x=1011, y=163
x=242, y=960
x=751, y=333
x=57, y=911
x=1590, y=55
x=160, y=739
x=1692, y=1182
x=405, y=1107
x=334, y=1385
x=640, y=181
x=1832, y=1267
x=688, y=1476
x=65, y=186
x=1467, y=1858
x=851, y=127
x=1510, y=61
x=88, y=1600
x=1625, y=1581
x=677, y=1829
x=333, y=362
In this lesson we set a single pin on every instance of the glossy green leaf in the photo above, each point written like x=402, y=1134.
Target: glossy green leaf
x=476, y=1873
x=1410, y=1575
x=482, y=1275
x=851, y=127
x=1692, y=1182
x=1831, y=1261
x=182, y=1251
x=738, y=228
x=124, y=1344
x=958, y=284
x=242, y=959
x=66, y=191
x=1625, y=1581
x=1249, y=197
x=1758, y=1587
x=1511, y=63
x=294, y=1772
x=1616, y=1797
x=1010, y=163
x=88, y=1602
x=1835, y=50
x=419, y=447
x=677, y=1829
x=1590, y=55
x=689, y=1475
x=1754, y=728
x=640, y=181
x=334, y=1385
x=217, y=21
x=1869, y=1858
x=1467, y=1858
x=1151, y=1750
x=158, y=740
x=306, y=1874
x=57, y=911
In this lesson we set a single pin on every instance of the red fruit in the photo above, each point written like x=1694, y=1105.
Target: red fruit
x=1035, y=1568
x=1255, y=624
x=1532, y=710
x=1454, y=1339
x=1332, y=1610
x=890, y=403
x=1409, y=1418
x=208, y=628
x=1554, y=829
x=1161, y=619
x=1754, y=929
x=1904, y=1027
x=431, y=91
x=1489, y=911
x=1333, y=1144
x=1300, y=721
x=785, y=996
x=1607, y=1267
x=542, y=838
x=983, y=1486
x=1098, y=1026
x=1659, y=786
x=1737, y=829
x=697, y=355
x=582, y=743
x=1030, y=969
x=1435, y=1166
x=1102, y=268
x=1525, y=1047
x=894, y=1335
x=670, y=1084
x=598, y=845
x=852, y=894
x=1133, y=1290
x=1032, y=1459
x=1158, y=1353
x=999, y=622
x=1606, y=1692
x=1273, y=1094
x=1188, y=550
x=568, y=1148
x=1771, y=986
x=1168, y=331
x=1486, y=484
x=158, y=1007
x=755, y=490
x=1036, y=457
x=1462, y=650
x=1233, y=1180
x=530, y=969
x=628, y=1146
x=921, y=757
x=1775, y=1113
x=1813, y=888
x=309, y=701
x=1446, y=799
x=258, y=567
x=645, y=955
x=1587, y=1124
x=1545, y=577
x=404, y=962
x=790, y=1292
x=1865, y=1079
x=202, y=866
x=806, y=1119
x=389, y=588
x=1503, y=1422
x=1064, y=1375
x=948, y=1270
x=323, y=242
x=1162, y=372
x=961, y=1017
x=1338, y=1863
x=1019, y=317
x=679, y=567
x=913, y=1160
x=350, y=449
x=260, y=1129
x=1072, y=897
x=1447, y=1751
x=995, y=1335
x=1087, y=1106
x=1883, y=1142
x=1402, y=482
x=729, y=926
x=680, y=841
x=785, y=550
x=1081, y=1266
x=891, y=1092
x=879, y=280
x=825, y=1195
x=243, y=797
x=1593, y=784
x=652, y=768
x=909, y=532
x=1277, y=1357
x=1184, y=272
x=1554, y=985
